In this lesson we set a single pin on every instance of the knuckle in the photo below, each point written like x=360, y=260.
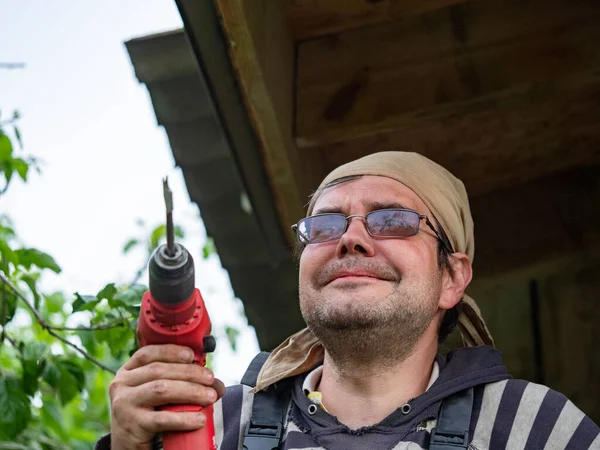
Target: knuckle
x=160, y=421
x=160, y=388
x=114, y=388
x=142, y=356
x=154, y=369
x=119, y=406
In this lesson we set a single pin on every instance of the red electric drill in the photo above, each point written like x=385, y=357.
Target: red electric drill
x=173, y=312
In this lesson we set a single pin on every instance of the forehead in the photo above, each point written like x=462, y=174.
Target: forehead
x=366, y=191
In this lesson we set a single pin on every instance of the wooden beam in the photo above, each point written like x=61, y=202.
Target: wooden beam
x=442, y=64
x=491, y=149
x=310, y=18
x=262, y=52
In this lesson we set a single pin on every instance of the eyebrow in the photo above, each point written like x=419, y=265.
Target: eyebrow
x=373, y=206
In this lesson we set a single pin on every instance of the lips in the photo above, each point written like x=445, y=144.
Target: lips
x=355, y=273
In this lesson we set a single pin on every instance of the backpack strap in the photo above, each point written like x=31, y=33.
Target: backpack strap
x=452, y=430
x=265, y=426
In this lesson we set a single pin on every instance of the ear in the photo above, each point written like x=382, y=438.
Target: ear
x=455, y=281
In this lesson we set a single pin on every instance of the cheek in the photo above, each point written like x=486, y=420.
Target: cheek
x=313, y=259
x=410, y=256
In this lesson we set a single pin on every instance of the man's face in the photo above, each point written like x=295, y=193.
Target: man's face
x=361, y=282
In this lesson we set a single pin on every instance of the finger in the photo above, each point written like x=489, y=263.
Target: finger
x=218, y=386
x=168, y=371
x=163, y=392
x=163, y=353
x=158, y=421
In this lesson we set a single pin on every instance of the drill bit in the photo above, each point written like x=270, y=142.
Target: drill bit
x=168, y=194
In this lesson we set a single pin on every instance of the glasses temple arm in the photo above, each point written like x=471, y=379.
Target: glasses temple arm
x=444, y=242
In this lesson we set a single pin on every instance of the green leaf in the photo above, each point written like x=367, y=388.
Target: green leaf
x=16, y=411
x=31, y=280
x=7, y=167
x=232, y=335
x=4, y=445
x=129, y=245
x=65, y=376
x=18, y=136
x=117, y=339
x=209, y=248
x=75, y=369
x=11, y=302
x=21, y=167
x=54, y=302
x=52, y=418
x=8, y=254
x=6, y=231
x=84, y=302
x=130, y=296
x=178, y=232
x=67, y=387
x=6, y=148
x=33, y=361
x=157, y=234
x=51, y=374
x=33, y=257
x=88, y=340
x=107, y=292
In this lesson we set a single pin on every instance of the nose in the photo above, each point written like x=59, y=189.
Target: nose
x=356, y=239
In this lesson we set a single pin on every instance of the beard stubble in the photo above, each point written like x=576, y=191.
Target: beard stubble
x=378, y=332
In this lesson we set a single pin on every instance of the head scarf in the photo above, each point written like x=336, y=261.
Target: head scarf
x=446, y=197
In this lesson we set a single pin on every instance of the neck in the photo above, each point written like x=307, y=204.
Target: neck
x=368, y=394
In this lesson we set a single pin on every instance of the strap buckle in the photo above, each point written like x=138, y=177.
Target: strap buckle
x=448, y=440
x=262, y=435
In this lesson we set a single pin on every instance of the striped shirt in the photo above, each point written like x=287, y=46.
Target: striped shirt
x=507, y=414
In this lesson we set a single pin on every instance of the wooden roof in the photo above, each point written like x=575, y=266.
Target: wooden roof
x=504, y=93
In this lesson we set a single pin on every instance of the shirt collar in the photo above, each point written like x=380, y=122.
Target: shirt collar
x=313, y=379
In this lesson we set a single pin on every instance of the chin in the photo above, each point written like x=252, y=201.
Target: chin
x=356, y=292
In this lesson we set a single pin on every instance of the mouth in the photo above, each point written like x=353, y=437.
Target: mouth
x=354, y=276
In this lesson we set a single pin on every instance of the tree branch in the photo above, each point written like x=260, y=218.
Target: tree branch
x=12, y=342
x=106, y=326
x=7, y=65
x=5, y=188
x=49, y=328
x=80, y=350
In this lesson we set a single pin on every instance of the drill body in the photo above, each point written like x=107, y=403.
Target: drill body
x=173, y=312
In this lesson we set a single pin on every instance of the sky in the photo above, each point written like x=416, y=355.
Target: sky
x=89, y=120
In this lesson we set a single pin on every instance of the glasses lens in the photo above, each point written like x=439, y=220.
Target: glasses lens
x=321, y=228
x=393, y=223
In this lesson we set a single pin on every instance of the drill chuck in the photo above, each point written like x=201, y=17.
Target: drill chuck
x=171, y=275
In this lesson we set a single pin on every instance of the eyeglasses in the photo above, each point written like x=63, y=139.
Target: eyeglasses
x=386, y=223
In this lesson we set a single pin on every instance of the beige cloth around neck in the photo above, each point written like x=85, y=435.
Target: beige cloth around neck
x=446, y=198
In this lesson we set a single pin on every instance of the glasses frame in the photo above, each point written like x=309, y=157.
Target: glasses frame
x=347, y=219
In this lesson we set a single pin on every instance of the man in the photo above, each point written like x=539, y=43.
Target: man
x=385, y=257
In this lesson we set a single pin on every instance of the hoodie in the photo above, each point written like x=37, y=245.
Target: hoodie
x=507, y=413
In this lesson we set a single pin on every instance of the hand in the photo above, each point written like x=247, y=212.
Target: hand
x=158, y=375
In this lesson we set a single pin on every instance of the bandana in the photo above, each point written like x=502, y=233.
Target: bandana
x=446, y=197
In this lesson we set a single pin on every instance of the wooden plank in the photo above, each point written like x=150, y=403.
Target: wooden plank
x=262, y=52
x=497, y=148
x=445, y=63
x=313, y=18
